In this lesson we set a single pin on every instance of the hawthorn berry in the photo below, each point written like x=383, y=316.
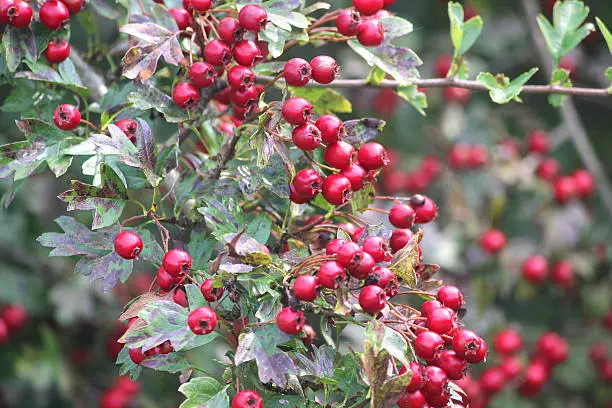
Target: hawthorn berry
x=297, y=72
x=425, y=209
x=201, y=6
x=349, y=255
x=182, y=17
x=230, y=30
x=253, y=17
x=164, y=279
x=334, y=246
x=14, y=317
x=429, y=306
x=370, y=33
x=564, y=189
x=202, y=320
x=19, y=14
x=428, y=345
x=454, y=367
x=336, y=189
x=363, y=268
x=128, y=127
x=584, y=183
x=136, y=355
x=210, y=293
x=347, y=22
x=247, y=399
x=57, y=50
x=535, y=376
x=356, y=174
x=176, y=261
x=297, y=111
x=368, y=7
x=535, y=269
x=470, y=346
x=443, y=64
x=67, y=117
x=418, y=379
x=290, y=321
x=295, y=197
x=507, y=342
x=386, y=279
x=217, y=53
x=180, y=297
x=458, y=156
x=451, y=297
x=562, y=273
x=331, y=127
x=307, y=183
x=538, y=142
x=412, y=400
x=306, y=288
x=454, y=94
x=246, y=98
x=372, y=156
x=324, y=69
x=548, y=169
x=6, y=7
x=54, y=14
x=240, y=78
x=400, y=238
x=4, y=332
x=331, y=274
x=339, y=155
x=441, y=320
x=437, y=381
x=202, y=74
x=247, y=53
x=378, y=248
x=552, y=348
x=306, y=137
x=402, y=216
x=113, y=398
x=512, y=366
x=478, y=156
x=492, y=380
x=185, y=95
x=128, y=245
x=372, y=299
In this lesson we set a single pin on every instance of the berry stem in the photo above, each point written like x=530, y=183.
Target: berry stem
x=88, y=123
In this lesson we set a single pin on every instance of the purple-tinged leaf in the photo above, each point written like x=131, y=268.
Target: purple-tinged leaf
x=261, y=345
x=147, y=96
x=280, y=4
x=152, y=251
x=399, y=62
x=44, y=73
x=106, y=201
x=322, y=364
x=117, y=144
x=172, y=362
x=20, y=159
x=378, y=230
x=361, y=131
x=110, y=269
x=77, y=239
x=235, y=268
x=19, y=43
x=127, y=365
x=146, y=152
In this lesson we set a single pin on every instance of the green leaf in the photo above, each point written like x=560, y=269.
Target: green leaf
x=560, y=78
x=18, y=43
x=147, y=96
x=376, y=76
x=199, y=391
x=609, y=76
x=399, y=62
x=107, y=200
x=171, y=363
x=194, y=296
x=463, y=34
x=568, y=28
x=44, y=73
x=395, y=27
x=277, y=38
x=146, y=152
x=360, y=200
x=605, y=32
x=361, y=131
x=385, y=338
x=260, y=228
x=501, y=89
x=406, y=260
x=261, y=345
x=77, y=239
x=127, y=365
x=324, y=100
x=414, y=97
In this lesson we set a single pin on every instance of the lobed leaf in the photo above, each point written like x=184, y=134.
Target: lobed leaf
x=399, y=62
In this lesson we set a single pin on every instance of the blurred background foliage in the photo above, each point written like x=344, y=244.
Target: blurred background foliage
x=64, y=355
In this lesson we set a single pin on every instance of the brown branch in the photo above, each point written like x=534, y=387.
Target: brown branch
x=226, y=156
x=447, y=82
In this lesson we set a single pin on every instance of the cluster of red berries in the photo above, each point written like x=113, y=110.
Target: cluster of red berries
x=12, y=319
x=536, y=269
x=551, y=350
x=396, y=180
x=120, y=394
x=445, y=349
x=601, y=360
x=462, y=156
x=364, y=21
x=355, y=167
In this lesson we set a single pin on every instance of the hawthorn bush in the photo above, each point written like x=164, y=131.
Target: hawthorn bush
x=243, y=235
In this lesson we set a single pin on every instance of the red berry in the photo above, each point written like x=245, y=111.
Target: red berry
x=370, y=33
x=201, y=6
x=492, y=380
x=166, y=347
x=437, y=381
x=356, y=174
x=512, y=366
x=67, y=117
x=368, y=7
x=176, y=261
x=605, y=371
x=331, y=127
x=182, y=17
x=372, y=299
x=57, y=50
x=565, y=189
x=128, y=245
x=307, y=183
x=389, y=3
x=443, y=64
x=349, y=255
x=6, y=7
x=297, y=72
x=478, y=156
x=306, y=288
x=429, y=306
x=385, y=279
x=240, y=78
x=425, y=209
x=598, y=353
x=247, y=53
x=202, y=320
x=331, y=274
x=4, y=332
x=14, y=316
x=493, y=241
x=339, y=155
x=246, y=98
x=295, y=197
x=297, y=111
x=136, y=355
x=548, y=169
x=470, y=346
x=553, y=348
x=454, y=94
x=334, y=246
x=538, y=142
x=210, y=293
x=507, y=342
x=164, y=279
x=400, y=238
x=185, y=95
x=253, y=17
x=428, y=345
x=378, y=248
x=217, y=53
x=179, y=297
x=336, y=189
x=19, y=14
x=347, y=22
x=290, y=321
x=373, y=156
x=562, y=273
x=54, y=14
x=247, y=399
x=441, y=320
x=324, y=69
x=418, y=379
x=230, y=30
x=458, y=156
x=402, y=216
x=584, y=183
x=535, y=269
x=128, y=127
x=535, y=377
x=306, y=137
x=454, y=367
x=202, y=74
x=412, y=400
x=363, y=268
